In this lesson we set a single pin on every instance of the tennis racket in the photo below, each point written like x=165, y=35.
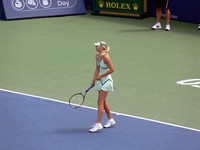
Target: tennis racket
x=77, y=99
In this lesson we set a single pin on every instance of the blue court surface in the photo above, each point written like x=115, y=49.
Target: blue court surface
x=34, y=123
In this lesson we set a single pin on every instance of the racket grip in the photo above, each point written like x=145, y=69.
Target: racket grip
x=92, y=85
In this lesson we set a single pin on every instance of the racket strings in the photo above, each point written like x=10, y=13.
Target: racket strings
x=76, y=100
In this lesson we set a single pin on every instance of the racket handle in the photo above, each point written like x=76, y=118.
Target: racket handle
x=92, y=85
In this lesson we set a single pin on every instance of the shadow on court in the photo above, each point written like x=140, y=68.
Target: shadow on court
x=30, y=123
x=70, y=131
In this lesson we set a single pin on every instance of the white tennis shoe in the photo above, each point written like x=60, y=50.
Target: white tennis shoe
x=198, y=27
x=110, y=122
x=168, y=28
x=156, y=26
x=96, y=127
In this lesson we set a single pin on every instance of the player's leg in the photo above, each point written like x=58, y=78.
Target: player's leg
x=107, y=110
x=168, y=15
x=158, y=19
x=110, y=121
x=101, y=99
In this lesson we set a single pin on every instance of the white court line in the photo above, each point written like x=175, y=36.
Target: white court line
x=141, y=118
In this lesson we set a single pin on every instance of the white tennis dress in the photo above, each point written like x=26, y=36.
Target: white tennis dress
x=106, y=82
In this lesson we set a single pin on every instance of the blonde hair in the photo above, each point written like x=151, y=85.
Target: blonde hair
x=106, y=48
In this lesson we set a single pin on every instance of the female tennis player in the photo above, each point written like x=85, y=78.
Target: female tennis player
x=104, y=84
